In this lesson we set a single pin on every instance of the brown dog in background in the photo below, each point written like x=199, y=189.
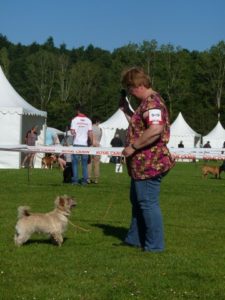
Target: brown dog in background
x=48, y=161
x=211, y=170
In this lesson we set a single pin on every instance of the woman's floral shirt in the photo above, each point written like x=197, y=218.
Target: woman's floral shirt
x=154, y=159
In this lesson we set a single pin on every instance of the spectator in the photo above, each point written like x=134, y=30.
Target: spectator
x=30, y=140
x=81, y=129
x=94, y=162
x=207, y=145
x=222, y=167
x=181, y=145
x=63, y=159
x=116, y=142
x=66, y=162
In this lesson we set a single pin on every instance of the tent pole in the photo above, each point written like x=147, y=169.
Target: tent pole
x=28, y=174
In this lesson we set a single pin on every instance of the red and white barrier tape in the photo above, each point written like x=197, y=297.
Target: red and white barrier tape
x=178, y=153
x=116, y=151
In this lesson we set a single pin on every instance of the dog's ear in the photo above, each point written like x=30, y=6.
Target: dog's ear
x=59, y=201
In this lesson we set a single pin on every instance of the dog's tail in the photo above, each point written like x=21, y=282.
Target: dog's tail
x=23, y=211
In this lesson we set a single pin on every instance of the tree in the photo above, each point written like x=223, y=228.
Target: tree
x=149, y=50
x=216, y=67
x=4, y=41
x=86, y=78
x=41, y=71
x=4, y=61
x=64, y=77
x=209, y=85
x=49, y=44
x=173, y=72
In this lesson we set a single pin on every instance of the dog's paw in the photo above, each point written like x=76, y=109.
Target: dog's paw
x=56, y=241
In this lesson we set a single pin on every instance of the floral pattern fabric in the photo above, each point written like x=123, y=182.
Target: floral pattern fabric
x=154, y=159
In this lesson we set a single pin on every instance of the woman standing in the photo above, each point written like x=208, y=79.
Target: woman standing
x=148, y=160
x=30, y=140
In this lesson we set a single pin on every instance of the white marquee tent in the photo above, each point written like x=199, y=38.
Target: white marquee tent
x=216, y=137
x=52, y=135
x=181, y=131
x=117, y=121
x=109, y=127
x=16, y=117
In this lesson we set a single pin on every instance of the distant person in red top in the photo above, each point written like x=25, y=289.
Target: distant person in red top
x=30, y=139
x=81, y=129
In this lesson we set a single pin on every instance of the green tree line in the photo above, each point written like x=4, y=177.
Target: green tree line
x=55, y=79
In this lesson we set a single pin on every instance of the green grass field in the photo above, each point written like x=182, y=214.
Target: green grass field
x=91, y=265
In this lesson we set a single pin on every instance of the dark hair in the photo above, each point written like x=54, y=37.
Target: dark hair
x=80, y=108
x=95, y=119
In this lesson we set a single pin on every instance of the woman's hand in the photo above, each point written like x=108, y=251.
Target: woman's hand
x=128, y=151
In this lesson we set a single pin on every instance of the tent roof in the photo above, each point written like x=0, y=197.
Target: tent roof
x=51, y=134
x=11, y=102
x=116, y=121
x=180, y=128
x=54, y=130
x=218, y=132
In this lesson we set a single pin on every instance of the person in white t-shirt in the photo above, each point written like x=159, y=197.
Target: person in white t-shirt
x=81, y=129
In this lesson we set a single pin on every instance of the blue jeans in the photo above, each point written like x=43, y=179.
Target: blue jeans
x=75, y=165
x=146, y=229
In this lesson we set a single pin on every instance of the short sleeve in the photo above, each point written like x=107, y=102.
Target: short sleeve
x=154, y=117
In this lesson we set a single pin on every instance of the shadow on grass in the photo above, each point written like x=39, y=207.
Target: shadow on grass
x=44, y=184
x=43, y=241
x=118, y=232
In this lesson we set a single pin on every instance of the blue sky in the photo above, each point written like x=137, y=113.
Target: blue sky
x=110, y=24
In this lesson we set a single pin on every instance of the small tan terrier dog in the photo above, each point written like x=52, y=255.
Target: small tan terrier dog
x=53, y=223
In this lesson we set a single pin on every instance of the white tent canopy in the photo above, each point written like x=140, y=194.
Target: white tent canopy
x=52, y=135
x=181, y=131
x=216, y=137
x=109, y=127
x=16, y=117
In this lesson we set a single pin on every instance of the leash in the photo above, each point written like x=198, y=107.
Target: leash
x=107, y=210
x=78, y=227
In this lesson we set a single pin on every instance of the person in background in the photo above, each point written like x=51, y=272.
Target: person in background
x=116, y=142
x=181, y=145
x=81, y=129
x=207, y=145
x=222, y=167
x=63, y=159
x=30, y=140
x=148, y=160
x=65, y=162
x=94, y=163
